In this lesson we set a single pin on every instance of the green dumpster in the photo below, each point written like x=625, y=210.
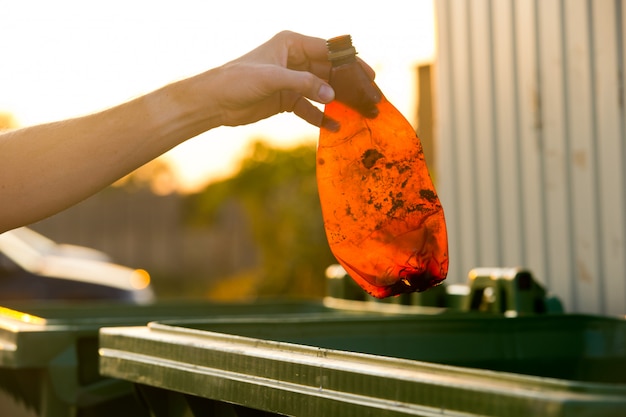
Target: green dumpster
x=452, y=364
x=49, y=352
x=509, y=291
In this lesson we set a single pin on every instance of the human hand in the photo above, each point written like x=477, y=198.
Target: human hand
x=281, y=75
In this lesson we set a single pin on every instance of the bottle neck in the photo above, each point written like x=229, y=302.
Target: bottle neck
x=336, y=62
x=340, y=50
x=353, y=86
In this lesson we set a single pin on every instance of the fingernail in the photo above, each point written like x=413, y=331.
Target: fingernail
x=326, y=93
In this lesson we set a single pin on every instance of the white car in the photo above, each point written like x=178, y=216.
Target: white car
x=33, y=267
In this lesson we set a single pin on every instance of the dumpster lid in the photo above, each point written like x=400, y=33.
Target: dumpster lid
x=293, y=379
x=33, y=333
x=26, y=327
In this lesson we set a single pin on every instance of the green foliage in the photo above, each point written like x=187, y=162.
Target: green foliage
x=277, y=190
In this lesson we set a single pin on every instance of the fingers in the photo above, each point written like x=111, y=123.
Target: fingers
x=311, y=114
x=281, y=75
x=311, y=54
x=300, y=52
x=276, y=79
x=307, y=111
x=368, y=70
x=298, y=87
x=325, y=94
x=312, y=48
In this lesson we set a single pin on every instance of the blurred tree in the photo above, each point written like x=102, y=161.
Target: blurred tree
x=278, y=192
x=156, y=175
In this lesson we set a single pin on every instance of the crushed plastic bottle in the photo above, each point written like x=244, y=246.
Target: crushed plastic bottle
x=383, y=219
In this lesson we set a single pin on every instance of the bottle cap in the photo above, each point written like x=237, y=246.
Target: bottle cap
x=340, y=47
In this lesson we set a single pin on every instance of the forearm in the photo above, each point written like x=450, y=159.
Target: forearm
x=47, y=168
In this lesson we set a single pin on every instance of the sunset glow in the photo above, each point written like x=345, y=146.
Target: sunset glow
x=68, y=57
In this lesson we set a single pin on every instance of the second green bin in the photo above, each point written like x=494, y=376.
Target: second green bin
x=424, y=365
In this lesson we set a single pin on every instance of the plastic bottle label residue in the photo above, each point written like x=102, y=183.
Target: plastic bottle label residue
x=383, y=219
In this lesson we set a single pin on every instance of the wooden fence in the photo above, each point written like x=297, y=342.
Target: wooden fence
x=143, y=230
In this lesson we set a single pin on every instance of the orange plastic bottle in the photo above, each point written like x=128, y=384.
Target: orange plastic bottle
x=383, y=219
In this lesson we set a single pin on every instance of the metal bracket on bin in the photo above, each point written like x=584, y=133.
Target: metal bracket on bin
x=509, y=291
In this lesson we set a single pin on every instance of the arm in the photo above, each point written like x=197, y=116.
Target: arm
x=47, y=168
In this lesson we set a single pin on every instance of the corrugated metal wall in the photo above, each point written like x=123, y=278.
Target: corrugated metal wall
x=531, y=142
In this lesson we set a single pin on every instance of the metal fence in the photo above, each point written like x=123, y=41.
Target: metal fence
x=531, y=136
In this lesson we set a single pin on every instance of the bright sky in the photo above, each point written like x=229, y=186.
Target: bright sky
x=65, y=58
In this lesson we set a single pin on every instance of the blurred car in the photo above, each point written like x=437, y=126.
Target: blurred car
x=33, y=267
